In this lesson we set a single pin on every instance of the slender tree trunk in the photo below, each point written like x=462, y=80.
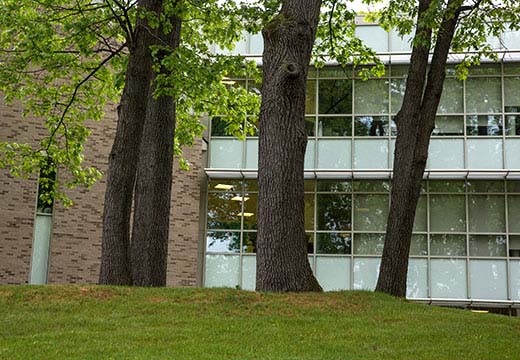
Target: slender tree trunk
x=282, y=261
x=115, y=256
x=415, y=123
x=149, y=248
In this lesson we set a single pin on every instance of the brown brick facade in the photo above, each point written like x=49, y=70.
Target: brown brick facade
x=76, y=233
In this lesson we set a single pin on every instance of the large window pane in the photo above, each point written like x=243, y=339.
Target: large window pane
x=513, y=212
x=222, y=242
x=449, y=278
x=335, y=126
x=334, y=185
x=333, y=243
x=451, y=100
x=334, y=154
x=488, y=279
x=371, y=126
x=487, y=213
x=222, y=271
x=334, y=212
x=250, y=211
x=447, y=213
x=374, y=37
x=335, y=96
x=370, y=154
x=309, y=211
x=417, y=281
x=484, y=125
x=397, y=90
x=371, y=96
x=249, y=273
x=447, y=245
x=333, y=273
x=310, y=97
x=249, y=242
x=514, y=246
x=370, y=212
x=400, y=43
x=514, y=268
x=487, y=245
x=512, y=94
x=421, y=215
x=310, y=126
x=483, y=95
x=419, y=245
x=223, y=211
x=450, y=186
x=485, y=153
x=366, y=271
x=513, y=125
x=310, y=154
x=369, y=244
x=371, y=185
x=446, y=154
x=226, y=153
x=449, y=126
x=512, y=151
x=251, y=154
x=485, y=186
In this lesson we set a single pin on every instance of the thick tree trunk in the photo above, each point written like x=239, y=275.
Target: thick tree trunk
x=415, y=122
x=151, y=224
x=282, y=262
x=122, y=163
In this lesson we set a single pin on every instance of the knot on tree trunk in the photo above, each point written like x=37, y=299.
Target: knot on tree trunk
x=291, y=69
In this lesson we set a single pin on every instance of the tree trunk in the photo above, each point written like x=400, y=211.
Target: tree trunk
x=122, y=162
x=282, y=260
x=149, y=248
x=415, y=122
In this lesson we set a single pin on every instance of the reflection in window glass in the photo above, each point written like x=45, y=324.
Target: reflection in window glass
x=513, y=186
x=447, y=213
x=249, y=242
x=334, y=186
x=483, y=186
x=513, y=125
x=310, y=243
x=223, y=242
x=449, y=126
x=451, y=100
x=371, y=96
x=223, y=212
x=397, y=89
x=419, y=245
x=370, y=212
x=448, y=245
x=513, y=212
x=333, y=243
x=371, y=126
x=335, y=126
x=512, y=94
x=222, y=271
x=483, y=95
x=334, y=212
x=487, y=213
x=371, y=185
x=369, y=244
x=487, y=245
x=451, y=186
x=448, y=278
x=250, y=211
x=310, y=126
x=484, y=125
x=421, y=214
x=310, y=97
x=335, y=97
x=514, y=246
x=336, y=72
x=309, y=211
x=485, y=153
x=374, y=37
x=219, y=127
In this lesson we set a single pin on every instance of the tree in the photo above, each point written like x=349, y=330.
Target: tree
x=66, y=60
x=282, y=263
x=451, y=24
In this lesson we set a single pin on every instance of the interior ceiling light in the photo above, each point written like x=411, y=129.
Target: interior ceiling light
x=226, y=80
x=246, y=214
x=224, y=187
x=239, y=198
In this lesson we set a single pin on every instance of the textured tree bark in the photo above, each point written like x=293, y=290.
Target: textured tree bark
x=282, y=262
x=122, y=163
x=415, y=123
x=149, y=246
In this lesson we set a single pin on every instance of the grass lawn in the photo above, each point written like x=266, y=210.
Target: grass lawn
x=89, y=322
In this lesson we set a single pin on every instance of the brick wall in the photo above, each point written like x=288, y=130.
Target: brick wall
x=76, y=233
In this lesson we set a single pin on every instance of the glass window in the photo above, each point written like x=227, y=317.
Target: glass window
x=225, y=185
x=219, y=127
x=513, y=212
x=223, y=242
x=400, y=43
x=514, y=246
x=369, y=244
x=335, y=126
x=252, y=126
x=309, y=211
x=447, y=213
x=371, y=185
x=222, y=271
x=333, y=273
x=46, y=183
x=513, y=125
x=487, y=213
x=449, y=126
x=370, y=154
x=484, y=186
x=483, y=95
x=451, y=186
x=513, y=186
x=371, y=96
x=487, y=245
x=310, y=97
x=448, y=245
x=512, y=149
x=488, y=279
x=446, y=154
x=223, y=211
x=249, y=273
x=256, y=44
x=511, y=40
x=310, y=153
x=249, y=242
x=448, y=278
x=226, y=153
x=451, y=99
x=484, y=125
x=310, y=125
x=484, y=153
x=336, y=72
x=485, y=69
x=334, y=154
x=333, y=243
x=366, y=271
x=335, y=97
x=334, y=185
x=370, y=212
x=417, y=281
x=252, y=154
x=419, y=245
x=374, y=37
x=310, y=243
x=421, y=215
x=512, y=94
x=250, y=211
x=511, y=68
x=334, y=212
x=397, y=90
x=371, y=126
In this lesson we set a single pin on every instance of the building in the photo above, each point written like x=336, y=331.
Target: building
x=466, y=243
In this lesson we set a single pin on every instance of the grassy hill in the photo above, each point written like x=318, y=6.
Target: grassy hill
x=88, y=322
